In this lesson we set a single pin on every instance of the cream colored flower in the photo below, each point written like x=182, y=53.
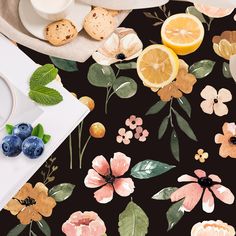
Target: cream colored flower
x=214, y=12
x=201, y=155
x=212, y=228
x=214, y=101
x=225, y=44
x=123, y=45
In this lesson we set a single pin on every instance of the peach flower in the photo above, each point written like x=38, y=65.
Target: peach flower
x=201, y=185
x=124, y=136
x=86, y=223
x=212, y=228
x=141, y=134
x=123, y=45
x=227, y=140
x=214, y=101
x=133, y=122
x=214, y=12
x=108, y=177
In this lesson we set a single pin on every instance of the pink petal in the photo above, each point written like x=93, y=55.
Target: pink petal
x=200, y=173
x=224, y=95
x=127, y=122
x=128, y=135
x=139, y=130
x=139, y=121
x=105, y=60
x=191, y=193
x=119, y=139
x=126, y=141
x=104, y=194
x=145, y=133
x=208, y=202
x=121, y=131
x=223, y=193
x=101, y=165
x=187, y=178
x=142, y=139
x=132, y=126
x=215, y=178
x=137, y=135
x=220, y=109
x=93, y=179
x=207, y=106
x=119, y=164
x=209, y=93
x=124, y=186
x=132, y=118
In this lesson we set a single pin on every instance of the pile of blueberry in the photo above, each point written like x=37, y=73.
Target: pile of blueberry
x=20, y=139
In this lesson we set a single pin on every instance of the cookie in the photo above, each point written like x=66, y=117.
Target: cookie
x=99, y=23
x=60, y=32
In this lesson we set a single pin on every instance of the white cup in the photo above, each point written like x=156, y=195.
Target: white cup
x=53, y=9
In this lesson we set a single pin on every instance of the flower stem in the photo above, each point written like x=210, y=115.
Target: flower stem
x=80, y=129
x=71, y=152
x=82, y=152
x=170, y=113
x=30, y=229
x=209, y=23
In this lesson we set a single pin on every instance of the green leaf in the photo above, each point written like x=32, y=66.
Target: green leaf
x=184, y=103
x=164, y=194
x=46, y=138
x=202, y=68
x=44, y=227
x=61, y=192
x=66, y=65
x=126, y=66
x=226, y=70
x=133, y=221
x=43, y=75
x=149, y=169
x=163, y=127
x=156, y=108
x=16, y=230
x=174, y=145
x=193, y=11
x=45, y=96
x=38, y=131
x=125, y=87
x=174, y=214
x=9, y=128
x=101, y=76
x=184, y=126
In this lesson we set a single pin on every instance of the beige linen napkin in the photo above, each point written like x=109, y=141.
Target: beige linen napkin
x=78, y=50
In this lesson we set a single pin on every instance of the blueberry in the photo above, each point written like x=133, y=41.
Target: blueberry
x=23, y=130
x=11, y=145
x=33, y=147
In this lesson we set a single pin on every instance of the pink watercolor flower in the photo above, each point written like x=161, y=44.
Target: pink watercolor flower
x=133, y=122
x=141, y=134
x=124, y=136
x=201, y=185
x=86, y=223
x=108, y=177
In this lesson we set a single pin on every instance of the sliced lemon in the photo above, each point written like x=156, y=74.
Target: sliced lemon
x=157, y=66
x=183, y=33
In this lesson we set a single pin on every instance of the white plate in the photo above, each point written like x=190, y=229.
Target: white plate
x=36, y=25
x=58, y=121
x=7, y=101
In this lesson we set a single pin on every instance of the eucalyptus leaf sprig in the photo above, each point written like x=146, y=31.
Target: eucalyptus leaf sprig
x=105, y=77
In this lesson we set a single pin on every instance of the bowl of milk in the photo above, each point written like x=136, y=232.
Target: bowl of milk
x=53, y=9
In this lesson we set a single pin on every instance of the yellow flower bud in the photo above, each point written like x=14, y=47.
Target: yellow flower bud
x=97, y=130
x=87, y=101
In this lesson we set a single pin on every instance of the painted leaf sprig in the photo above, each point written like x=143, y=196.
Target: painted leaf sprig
x=164, y=194
x=202, y=69
x=105, y=77
x=61, y=192
x=133, y=221
x=44, y=227
x=66, y=65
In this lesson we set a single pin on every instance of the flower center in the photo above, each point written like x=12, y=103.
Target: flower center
x=205, y=182
x=84, y=221
x=110, y=179
x=215, y=100
x=28, y=201
x=120, y=56
x=233, y=140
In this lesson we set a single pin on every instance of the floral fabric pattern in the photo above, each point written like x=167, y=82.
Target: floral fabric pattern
x=161, y=94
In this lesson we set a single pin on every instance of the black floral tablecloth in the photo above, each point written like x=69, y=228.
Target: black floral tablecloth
x=144, y=148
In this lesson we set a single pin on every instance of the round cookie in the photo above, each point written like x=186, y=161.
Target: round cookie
x=99, y=23
x=60, y=32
